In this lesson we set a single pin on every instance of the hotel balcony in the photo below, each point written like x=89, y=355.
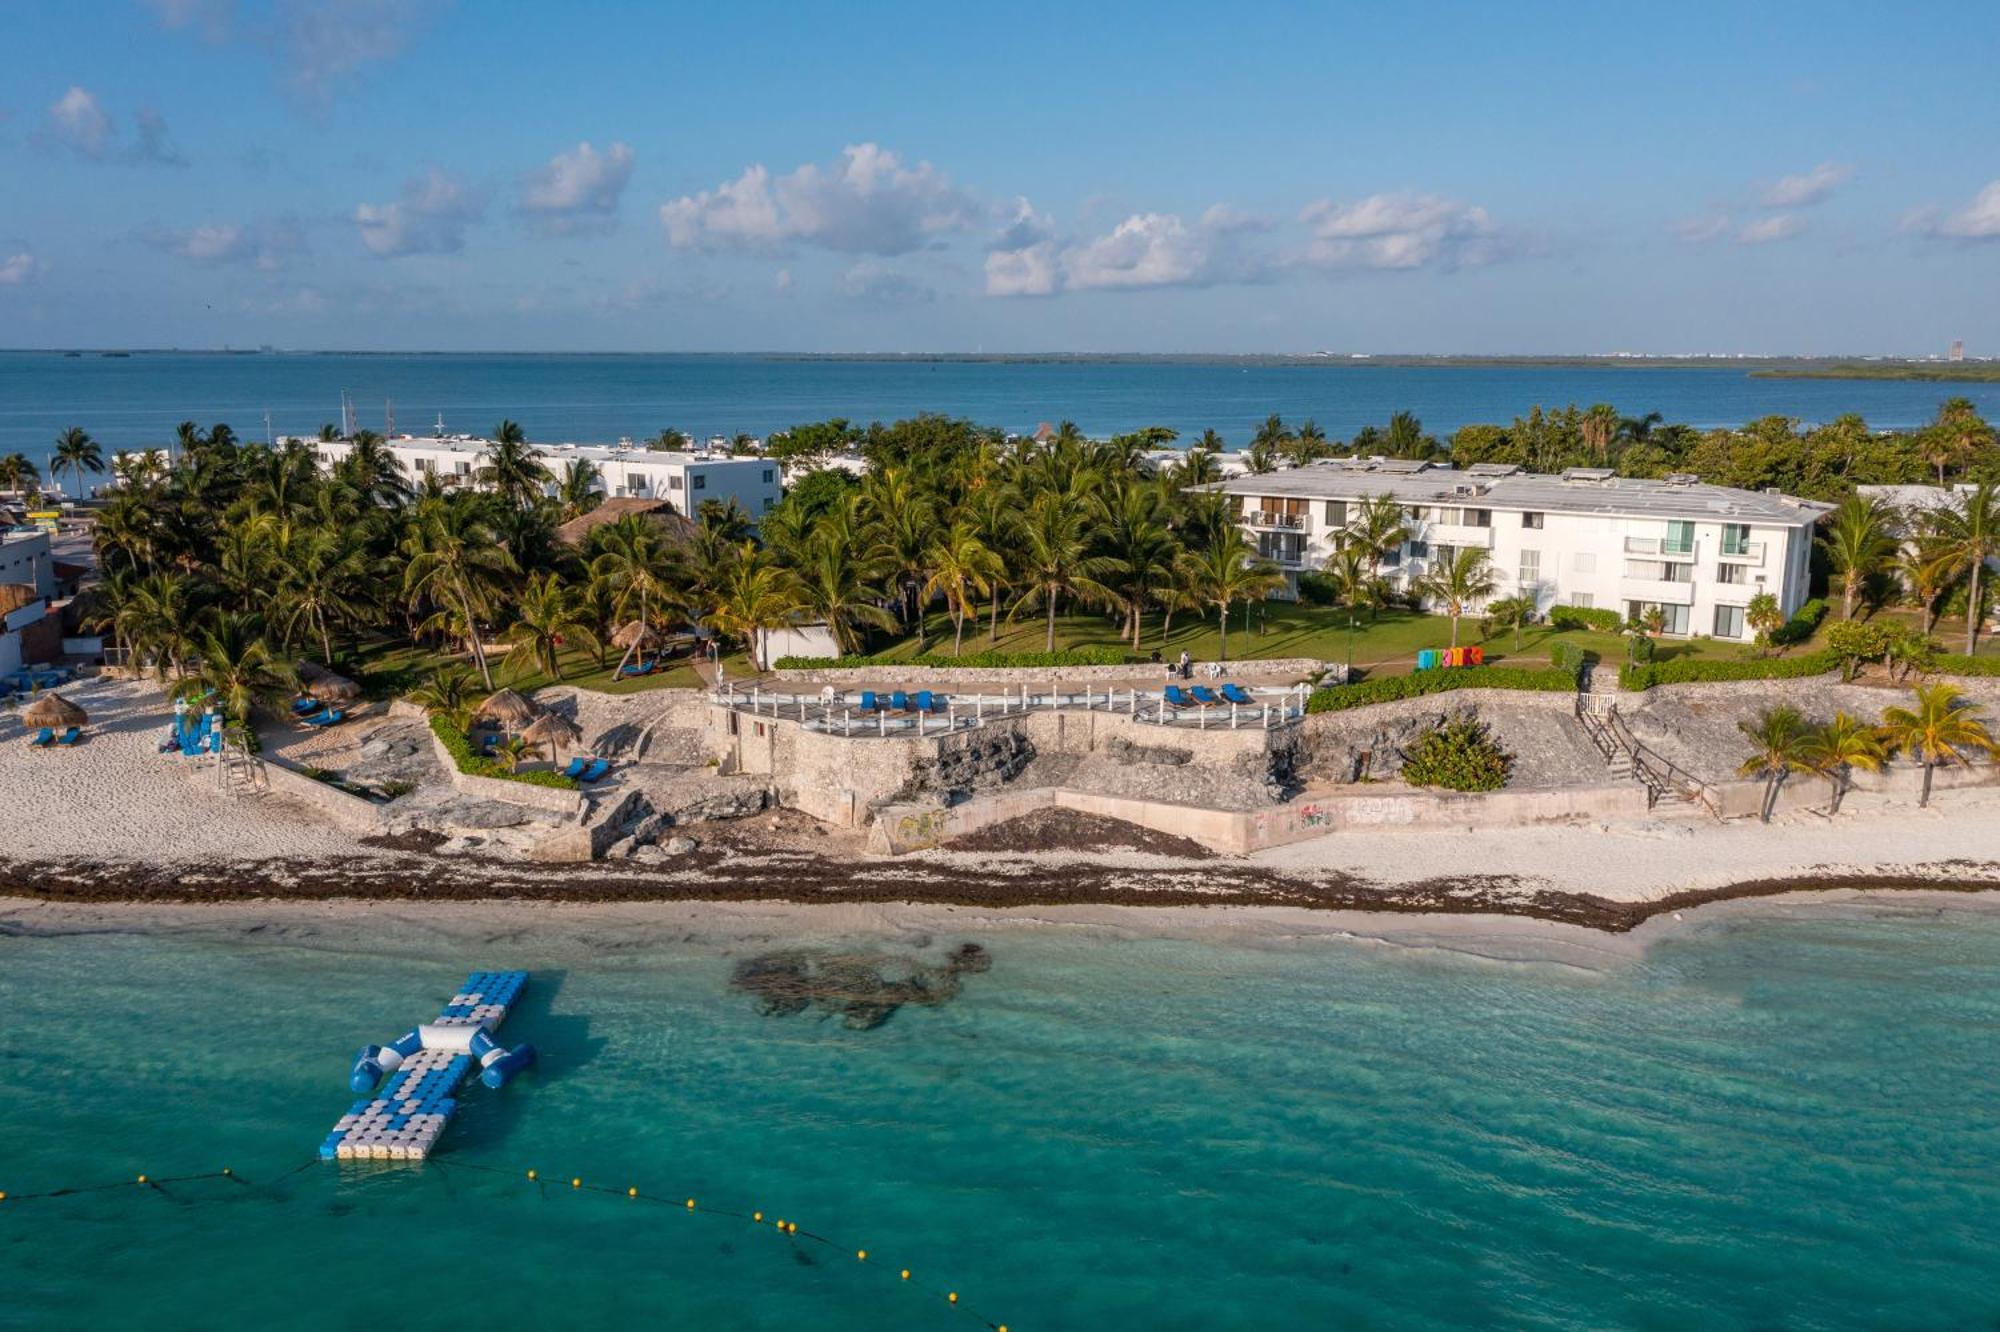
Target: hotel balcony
x=1749, y=552
x=1657, y=590
x=1657, y=546
x=1291, y=522
x=1454, y=535
x=1735, y=594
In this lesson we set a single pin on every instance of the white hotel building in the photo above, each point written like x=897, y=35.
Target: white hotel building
x=683, y=479
x=1585, y=538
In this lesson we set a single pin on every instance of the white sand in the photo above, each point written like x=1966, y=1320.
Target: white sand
x=113, y=797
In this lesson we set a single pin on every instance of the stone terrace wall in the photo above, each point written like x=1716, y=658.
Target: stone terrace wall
x=1539, y=729
x=1287, y=669
x=363, y=817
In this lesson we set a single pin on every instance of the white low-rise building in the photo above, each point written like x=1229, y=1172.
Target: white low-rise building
x=683, y=479
x=1585, y=538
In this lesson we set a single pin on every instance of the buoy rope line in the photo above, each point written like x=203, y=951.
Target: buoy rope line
x=790, y=1230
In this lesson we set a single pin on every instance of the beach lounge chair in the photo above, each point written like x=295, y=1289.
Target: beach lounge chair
x=596, y=770
x=939, y=701
x=576, y=767
x=1235, y=693
x=1205, y=696
x=301, y=706
x=1177, y=697
x=637, y=668
x=70, y=736
x=923, y=700
x=899, y=701
x=326, y=719
x=868, y=703
x=43, y=738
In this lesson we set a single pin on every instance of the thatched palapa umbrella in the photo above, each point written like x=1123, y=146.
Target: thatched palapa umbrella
x=328, y=687
x=634, y=636
x=554, y=730
x=53, y=710
x=508, y=708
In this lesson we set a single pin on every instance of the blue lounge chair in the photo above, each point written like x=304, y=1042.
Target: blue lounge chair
x=923, y=700
x=326, y=719
x=868, y=703
x=899, y=701
x=576, y=767
x=301, y=706
x=1176, y=697
x=43, y=738
x=596, y=770
x=1205, y=696
x=70, y=736
x=1235, y=693
x=939, y=701
x=638, y=668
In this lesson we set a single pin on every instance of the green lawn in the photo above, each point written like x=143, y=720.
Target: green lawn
x=1387, y=646
x=387, y=667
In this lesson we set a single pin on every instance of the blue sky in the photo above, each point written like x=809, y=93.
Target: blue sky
x=1819, y=178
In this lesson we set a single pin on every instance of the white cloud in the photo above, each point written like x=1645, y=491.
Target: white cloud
x=1399, y=231
x=266, y=245
x=578, y=189
x=429, y=218
x=78, y=121
x=1802, y=191
x=864, y=202
x=1978, y=220
x=1777, y=227
x=1702, y=229
x=1145, y=250
x=871, y=281
x=1021, y=260
x=18, y=269
x=327, y=44
x=215, y=18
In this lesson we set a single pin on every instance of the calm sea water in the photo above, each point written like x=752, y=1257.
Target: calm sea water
x=1769, y=1123
x=137, y=400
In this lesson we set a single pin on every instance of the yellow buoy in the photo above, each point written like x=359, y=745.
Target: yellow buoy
x=142, y=1179
x=531, y=1174
x=631, y=1193
x=861, y=1255
x=227, y=1171
x=793, y=1228
x=3, y=1195
x=576, y=1183
x=906, y=1274
x=690, y=1204
x=756, y=1216
x=952, y=1296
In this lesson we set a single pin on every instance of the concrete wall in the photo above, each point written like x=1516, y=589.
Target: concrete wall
x=568, y=803
x=1900, y=781
x=349, y=811
x=1035, y=677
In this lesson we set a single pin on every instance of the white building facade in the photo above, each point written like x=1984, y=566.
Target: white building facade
x=683, y=479
x=1586, y=538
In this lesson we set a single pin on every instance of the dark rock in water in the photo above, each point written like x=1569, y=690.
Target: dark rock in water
x=865, y=989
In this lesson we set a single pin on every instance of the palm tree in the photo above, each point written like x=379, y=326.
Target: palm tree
x=1405, y=438
x=994, y=514
x=17, y=473
x=899, y=520
x=1134, y=536
x=836, y=585
x=319, y=585
x=1779, y=737
x=961, y=568
x=1838, y=748
x=1354, y=586
x=239, y=667
x=1055, y=561
x=1268, y=446
x=636, y=566
x=1457, y=583
x=1229, y=571
x=458, y=563
x=1925, y=574
x=447, y=691
x=511, y=466
x=549, y=618
x=1968, y=535
x=1859, y=542
x=1940, y=729
x=1379, y=527
x=78, y=452
x=156, y=620
x=578, y=490
x=755, y=594
x=1509, y=613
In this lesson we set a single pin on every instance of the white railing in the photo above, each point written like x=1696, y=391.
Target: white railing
x=842, y=714
x=1269, y=518
x=1747, y=552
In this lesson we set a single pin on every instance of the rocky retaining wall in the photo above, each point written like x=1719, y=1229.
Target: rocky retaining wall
x=349, y=811
x=553, y=799
x=1288, y=669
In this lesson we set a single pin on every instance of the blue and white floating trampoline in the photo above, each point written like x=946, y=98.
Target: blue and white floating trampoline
x=425, y=1067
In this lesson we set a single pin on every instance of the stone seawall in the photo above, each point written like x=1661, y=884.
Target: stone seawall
x=362, y=817
x=552, y=799
x=1286, y=669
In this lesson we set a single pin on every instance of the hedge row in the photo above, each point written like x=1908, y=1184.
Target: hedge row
x=478, y=765
x=1563, y=618
x=1711, y=670
x=1389, y=688
x=1098, y=656
x=1957, y=663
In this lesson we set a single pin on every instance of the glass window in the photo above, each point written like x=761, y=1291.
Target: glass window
x=1736, y=538
x=1531, y=567
x=767, y=476
x=1584, y=562
x=1336, y=513
x=1729, y=622
x=1680, y=538
x=1533, y=520
x=697, y=482
x=1731, y=573
x=1678, y=573
x=1479, y=517
x=1582, y=600
x=674, y=481
x=1419, y=549
x=1677, y=619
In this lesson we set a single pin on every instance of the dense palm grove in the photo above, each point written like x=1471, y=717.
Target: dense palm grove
x=239, y=559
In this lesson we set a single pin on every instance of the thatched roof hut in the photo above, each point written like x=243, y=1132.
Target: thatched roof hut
x=508, y=708
x=53, y=710
x=554, y=730
x=635, y=633
x=328, y=687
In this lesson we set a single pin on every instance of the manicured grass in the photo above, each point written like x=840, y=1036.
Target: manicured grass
x=388, y=667
x=1947, y=633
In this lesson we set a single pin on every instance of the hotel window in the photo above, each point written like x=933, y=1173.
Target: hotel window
x=1729, y=622
x=1443, y=555
x=1531, y=567
x=1677, y=619
x=697, y=482
x=1731, y=573
x=1478, y=518
x=1414, y=512
x=1736, y=538
x=1680, y=538
x=1419, y=549
x=1336, y=513
x=1532, y=520
x=674, y=481
x=767, y=476
x=1582, y=600
x=1583, y=562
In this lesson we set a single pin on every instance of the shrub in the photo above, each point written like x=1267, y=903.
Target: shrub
x=1640, y=649
x=1317, y=590
x=1699, y=670
x=477, y=765
x=1584, y=617
x=1957, y=663
x=1853, y=642
x=1096, y=656
x=1460, y=755
x=1800, y=627
x=1568, y=658
x=1389, y=688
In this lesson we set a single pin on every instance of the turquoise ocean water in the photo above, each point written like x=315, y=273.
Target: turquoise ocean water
x=1776, y=1120
x=136, y=400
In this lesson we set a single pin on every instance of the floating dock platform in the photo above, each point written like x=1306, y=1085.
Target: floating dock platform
x=405, y=1119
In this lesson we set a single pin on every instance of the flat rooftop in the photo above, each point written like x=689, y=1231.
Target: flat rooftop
x=1502, y=486
x=472, y=446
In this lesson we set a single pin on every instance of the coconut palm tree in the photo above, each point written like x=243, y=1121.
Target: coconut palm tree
x=899, y=519
x=1268, y=446
x=1134, y=534
x=77, y=451
x=1355, y=586
x=962, y=568
x=837, y=585
x=1925, y=574
x=1968, y=535
x=511, y=467
x=1379, y=526
x=1226, y=572
x=1838, y=748
x=156, y=620
x=449, y=692
x=1941, y=728
x=1405, y=438
x=457, y=563
x=579, y=489
x=1455, y=584
x=638, y=568
x=1055, y=561
x=319, y=585
x=1513, y=613
x=1859, y=542
x=754, y=593
x=993, y=512
x=239, y=667
x=550, y=617
x=17, y=473
x=1779, y=739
